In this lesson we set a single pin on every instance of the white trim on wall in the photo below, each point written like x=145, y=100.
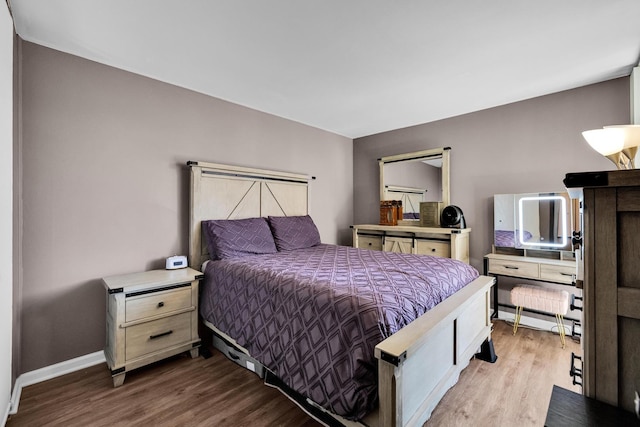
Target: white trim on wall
x=635, y=95
x=634, y=99
x=6, y=207
x=53, y=371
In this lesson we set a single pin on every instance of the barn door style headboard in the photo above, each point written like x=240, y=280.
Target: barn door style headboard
x=233, y=192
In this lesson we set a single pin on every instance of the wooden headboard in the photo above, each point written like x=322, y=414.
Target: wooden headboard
x=233, y=192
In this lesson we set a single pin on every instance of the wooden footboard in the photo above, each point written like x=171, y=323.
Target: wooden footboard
x=419, y=363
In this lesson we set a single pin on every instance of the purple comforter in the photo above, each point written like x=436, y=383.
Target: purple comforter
x=313, y=316
x=509, y=238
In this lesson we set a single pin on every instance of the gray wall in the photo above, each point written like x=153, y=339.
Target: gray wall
x=523, y=147
x=106, y=187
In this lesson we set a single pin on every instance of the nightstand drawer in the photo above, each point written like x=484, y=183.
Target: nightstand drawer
x=154, y=304
x=557, y=273
x=157, y=335
x=513, y=268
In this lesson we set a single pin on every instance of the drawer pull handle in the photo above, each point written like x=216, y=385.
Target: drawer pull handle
x=510, y=267
x=161, y=304
x=233, y=356
x=433, y=249
x=567, y=274
x=164, y=334
x=573, y=305
x=573, y=328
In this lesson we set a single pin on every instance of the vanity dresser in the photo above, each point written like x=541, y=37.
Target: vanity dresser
x=533, y=241
x=611, y=284
x=534, y=266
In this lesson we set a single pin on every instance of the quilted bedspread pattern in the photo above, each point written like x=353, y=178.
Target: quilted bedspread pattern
x=313, y=316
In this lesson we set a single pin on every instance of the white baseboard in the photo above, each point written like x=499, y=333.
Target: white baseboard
x=5, y=417
x=49, y=372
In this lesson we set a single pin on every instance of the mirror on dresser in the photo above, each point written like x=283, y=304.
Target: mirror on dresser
x=430, y=184
x=535, y=224
x=421, y=176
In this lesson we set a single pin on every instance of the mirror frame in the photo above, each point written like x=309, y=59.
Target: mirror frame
x=435, y=153
x=510, y=212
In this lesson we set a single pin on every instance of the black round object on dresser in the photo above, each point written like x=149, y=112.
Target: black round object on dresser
x=452, y=217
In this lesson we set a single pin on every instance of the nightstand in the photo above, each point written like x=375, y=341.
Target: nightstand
x=150, y=316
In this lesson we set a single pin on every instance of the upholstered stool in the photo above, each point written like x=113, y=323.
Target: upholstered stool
x=541, y=299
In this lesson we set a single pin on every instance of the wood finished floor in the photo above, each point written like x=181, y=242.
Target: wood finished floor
x=215, y=392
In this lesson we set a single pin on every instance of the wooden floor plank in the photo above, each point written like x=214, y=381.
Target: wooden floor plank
x=515, y=390
x=215, y=392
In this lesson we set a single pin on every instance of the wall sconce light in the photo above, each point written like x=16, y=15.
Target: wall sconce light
x=617, y=143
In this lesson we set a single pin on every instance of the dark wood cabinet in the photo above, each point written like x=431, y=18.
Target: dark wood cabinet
x=611, y=283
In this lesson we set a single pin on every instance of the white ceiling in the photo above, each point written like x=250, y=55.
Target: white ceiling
x=352, y=67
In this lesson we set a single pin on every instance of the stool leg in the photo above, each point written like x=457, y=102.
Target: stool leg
x=517, y=319
x=560, y=322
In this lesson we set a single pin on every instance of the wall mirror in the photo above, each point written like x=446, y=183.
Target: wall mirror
x=535, y=221
x=421, y=176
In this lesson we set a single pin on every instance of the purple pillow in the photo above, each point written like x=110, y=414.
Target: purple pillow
x=229, y=238
x=294, y=232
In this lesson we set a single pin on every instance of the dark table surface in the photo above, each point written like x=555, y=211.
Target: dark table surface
x=567, y=408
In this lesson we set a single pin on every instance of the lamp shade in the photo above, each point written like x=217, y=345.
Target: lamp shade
x=631, y=134
x=617, y=143
x=605, y=141
x=613, y=139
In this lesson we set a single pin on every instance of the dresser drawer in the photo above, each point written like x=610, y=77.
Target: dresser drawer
x=157, y=335
x=157, y=303
x=370, y=242
x=513, y=268
x=557, y=273
x=433, y=247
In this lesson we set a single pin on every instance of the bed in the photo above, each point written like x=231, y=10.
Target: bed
x=508, y=238
x=408, y=363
